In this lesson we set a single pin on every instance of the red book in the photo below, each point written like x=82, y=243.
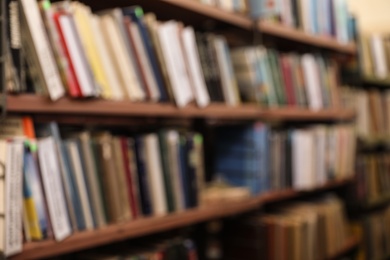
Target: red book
x=287, y=79
x=130, y=181
x=73, y=84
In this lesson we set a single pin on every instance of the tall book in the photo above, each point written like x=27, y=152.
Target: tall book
x=13, y=197
x=39, y=51
x=137, y=15
x=55, y=198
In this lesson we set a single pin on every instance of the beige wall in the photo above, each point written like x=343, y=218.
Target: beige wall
x=373, y=15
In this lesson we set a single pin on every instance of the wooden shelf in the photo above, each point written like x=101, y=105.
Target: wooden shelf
x=146, y=226
x=32, y=104
x=372, y=81
x=195, y=13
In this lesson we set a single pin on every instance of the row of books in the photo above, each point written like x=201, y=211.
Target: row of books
x=372, y=178
x=119, y=53
x=373, y=111
x=375, y=56
x=124, y=54
x=328, y=18
x=300, y=230
x=276, y=79
x=375, y=232
x=91, y=179
x=172, y=249
x=262, y=159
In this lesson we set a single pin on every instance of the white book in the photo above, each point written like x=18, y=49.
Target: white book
x=312, y=81
x=302, y=152
x=51, y=178
x=173, y=155
x=107, y=62
x=145, y=62
x=379, y=56
x=13, y=197
x=305, y=15
x=155, y=175
x=44, y=54
x=3, y=161
x=75, y=161
x=229, y=83
x=173, y=56
x=123, y=65
x=194, y=68
x=320, y=155
x=77, y=54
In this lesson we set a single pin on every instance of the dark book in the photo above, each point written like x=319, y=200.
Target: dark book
x=162, y=135
x=14, y=45
x=183, y=162
x=191, y=171
x=142, y=177
x=136, y=13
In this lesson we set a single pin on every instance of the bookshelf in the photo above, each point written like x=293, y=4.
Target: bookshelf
x=33, y=104
x=109, y=113
x=192, y=12
x=152, y=225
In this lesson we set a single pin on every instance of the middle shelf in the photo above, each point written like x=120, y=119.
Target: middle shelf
x=32, y=104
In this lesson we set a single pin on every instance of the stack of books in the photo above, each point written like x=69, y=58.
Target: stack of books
x=328, y=18
x=286, y=79
x=301, y=230
x=262, y=159
x=372, y=108
x=374, y=229
x=372, y=178
x=88, y=180
x=375, y=56
x=124, y=54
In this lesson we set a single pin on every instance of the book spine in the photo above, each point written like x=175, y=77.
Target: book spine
x=48, y=162
x=13, y=198
x=45, y=56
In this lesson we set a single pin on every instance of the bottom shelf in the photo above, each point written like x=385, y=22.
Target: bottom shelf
x=140, y=227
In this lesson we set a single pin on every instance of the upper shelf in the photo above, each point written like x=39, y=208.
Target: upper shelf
x=195, y=13
x=32, y=104
x=141, y=227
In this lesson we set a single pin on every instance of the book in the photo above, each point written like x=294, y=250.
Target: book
x=13, y=197
x=39, y=52
x=51, y=179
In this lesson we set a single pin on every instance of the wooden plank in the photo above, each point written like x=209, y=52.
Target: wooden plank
x=297, y=35
x=269, y=28
x=32, y=104
x=146, y=226
x=299, y=114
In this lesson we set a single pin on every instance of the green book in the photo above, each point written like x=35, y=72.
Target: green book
x=167, y=176
x=277, y=78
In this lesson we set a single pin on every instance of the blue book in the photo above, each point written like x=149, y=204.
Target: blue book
x=242, y=156
x=73, y=191
x=313, y=17
x=72, y=199
x=136, y=14
x=142, y=177
x=32, y=186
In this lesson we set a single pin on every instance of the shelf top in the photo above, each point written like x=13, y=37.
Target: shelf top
x=194, y=12
x=241, y=21
x=146, y=226
x=32, y=104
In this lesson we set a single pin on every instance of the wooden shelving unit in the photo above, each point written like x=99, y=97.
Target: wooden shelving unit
x=33, y=104
x=146, y=226
x=351, y=244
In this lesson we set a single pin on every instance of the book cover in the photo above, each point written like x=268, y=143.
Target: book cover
x=137, y=15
